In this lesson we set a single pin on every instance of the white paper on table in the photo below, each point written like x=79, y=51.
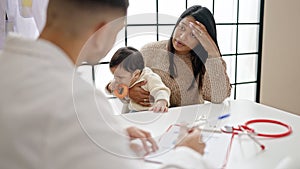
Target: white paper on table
x=215, y=150
x=165, y=143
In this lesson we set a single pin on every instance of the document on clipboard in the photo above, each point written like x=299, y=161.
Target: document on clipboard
x=166, y=143
x=215, y=150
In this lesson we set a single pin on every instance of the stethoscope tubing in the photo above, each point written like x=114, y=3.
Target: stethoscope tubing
x=279, y=135
x=251, y=130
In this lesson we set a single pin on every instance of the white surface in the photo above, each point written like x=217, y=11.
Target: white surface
x=245, y=153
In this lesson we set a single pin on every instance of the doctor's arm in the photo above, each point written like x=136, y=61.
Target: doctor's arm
x=187, y=153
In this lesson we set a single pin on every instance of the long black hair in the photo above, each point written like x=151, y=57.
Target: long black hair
x=198, y=54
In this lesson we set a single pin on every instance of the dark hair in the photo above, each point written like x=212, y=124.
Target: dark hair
x=111, y=3
x=90, y=5
x=129, y=58
x=198, y=54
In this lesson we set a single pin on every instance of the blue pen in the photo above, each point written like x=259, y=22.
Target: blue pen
x=223, y=116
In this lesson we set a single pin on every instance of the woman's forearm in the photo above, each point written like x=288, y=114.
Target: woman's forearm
x=216, y=85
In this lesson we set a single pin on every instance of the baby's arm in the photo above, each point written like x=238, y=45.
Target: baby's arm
x=159, y=91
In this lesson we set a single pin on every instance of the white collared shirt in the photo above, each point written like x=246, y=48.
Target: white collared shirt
x=52, y=119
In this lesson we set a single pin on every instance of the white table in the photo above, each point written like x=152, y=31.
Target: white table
x=244, y=153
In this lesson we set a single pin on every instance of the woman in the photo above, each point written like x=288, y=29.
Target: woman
x=189, y=63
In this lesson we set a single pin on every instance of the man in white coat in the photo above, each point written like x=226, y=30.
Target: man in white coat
x=52, y=119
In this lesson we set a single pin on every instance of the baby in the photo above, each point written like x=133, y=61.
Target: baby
x=127, y=65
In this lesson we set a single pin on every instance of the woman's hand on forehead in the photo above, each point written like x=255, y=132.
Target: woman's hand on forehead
x=201, y=34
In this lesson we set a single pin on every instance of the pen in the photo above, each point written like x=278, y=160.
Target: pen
x=223, y=116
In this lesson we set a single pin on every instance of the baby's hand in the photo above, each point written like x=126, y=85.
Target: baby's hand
x=159, y=106
x=113, y=85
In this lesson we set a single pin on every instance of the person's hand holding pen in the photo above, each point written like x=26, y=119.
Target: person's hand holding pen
x=191, y=137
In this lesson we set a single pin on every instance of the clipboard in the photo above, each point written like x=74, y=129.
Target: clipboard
x=215, y=150
x=166, y=143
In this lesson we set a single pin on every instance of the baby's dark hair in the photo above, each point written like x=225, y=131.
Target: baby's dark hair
x=129, y=58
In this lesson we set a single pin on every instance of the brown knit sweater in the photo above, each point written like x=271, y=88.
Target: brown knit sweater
x=216, y=86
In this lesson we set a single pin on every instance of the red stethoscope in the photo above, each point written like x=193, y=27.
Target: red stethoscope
x=245, y=129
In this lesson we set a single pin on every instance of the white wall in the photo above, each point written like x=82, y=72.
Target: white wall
x=280, y=83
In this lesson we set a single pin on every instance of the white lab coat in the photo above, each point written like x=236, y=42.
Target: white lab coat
x=51, y=119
